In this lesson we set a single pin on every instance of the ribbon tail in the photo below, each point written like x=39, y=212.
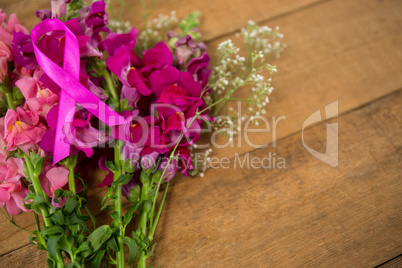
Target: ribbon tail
x=65, y=116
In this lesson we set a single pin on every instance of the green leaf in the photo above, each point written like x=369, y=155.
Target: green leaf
x=152, y=250
x=106, y=204
x=65, y=245
x=39, y=166
x=70, y=205
x=132, y=246
x=52, y=247
x=110, y=165
x=99, y=236
x=85, y=249
x=190, y=22
x=115, y=217
x=124, y=105
x=74, y=264
x=58, y=217
x=91, y=215
x=37, y=237
x=97, y=260
x=134, y=194
x=128, y=166
x=144, y=177
x=123, y=179
x=129, y=214
x=52, y=230
x=113, y=244
x=156, y=176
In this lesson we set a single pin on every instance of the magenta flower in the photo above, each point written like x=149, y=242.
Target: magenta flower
x=120, y=64
x=109, y=176
x=22, y=129
x=59, y=8
x=184, y=48
x=156, y=58
x=96, y=20
x=23, y=50
x=113, y=41
x=199, y=68
x=148, y=158
x=132, y=151
x=79, y=133
x=169, y=76
x=181, y=162
x=170, y=170
x=132, y=71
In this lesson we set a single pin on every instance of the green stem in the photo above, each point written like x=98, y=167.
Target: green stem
x=122, y=5
x=70, y=164
x=158, y=214
x=142, y=258
x=12, y=222
x=10, y=100
x=120, y=261
x=45, y=213
x=37, y=222
x=110, y=85
x=37, y=188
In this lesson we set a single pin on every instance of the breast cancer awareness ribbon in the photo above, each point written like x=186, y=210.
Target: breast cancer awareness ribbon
x=71, y=89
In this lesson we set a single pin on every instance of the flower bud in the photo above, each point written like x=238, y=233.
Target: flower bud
x=144, y=178
x=134, y=194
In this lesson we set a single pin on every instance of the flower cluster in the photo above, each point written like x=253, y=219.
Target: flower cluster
x=153, y=93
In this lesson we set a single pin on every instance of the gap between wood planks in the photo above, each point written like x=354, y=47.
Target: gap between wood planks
x=395, y=262
x=265, y=21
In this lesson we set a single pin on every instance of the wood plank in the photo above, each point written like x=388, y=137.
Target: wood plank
x=368, y=70
x=393, y=263
x=219, y=17
x=346, y=51
x=307, y=215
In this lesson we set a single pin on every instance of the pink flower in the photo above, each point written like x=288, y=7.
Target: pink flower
x=11, y=192
x=22, y=129
x=11, y=170
x=12, y=196
x=38, y=99
x=5, y=57
x=53, y=178
x=7, y=29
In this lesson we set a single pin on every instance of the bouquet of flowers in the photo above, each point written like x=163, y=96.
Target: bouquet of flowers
x=79, y=81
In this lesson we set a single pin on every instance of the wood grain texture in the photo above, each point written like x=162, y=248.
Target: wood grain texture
x=219, y=17
x=308, y=215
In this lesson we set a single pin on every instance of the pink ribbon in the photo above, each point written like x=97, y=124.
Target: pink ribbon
x=71, y=89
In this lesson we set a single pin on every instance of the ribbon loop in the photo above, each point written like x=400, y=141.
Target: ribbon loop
x=67, y=78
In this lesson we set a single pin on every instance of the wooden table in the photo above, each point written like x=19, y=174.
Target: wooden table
x=309, y=214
